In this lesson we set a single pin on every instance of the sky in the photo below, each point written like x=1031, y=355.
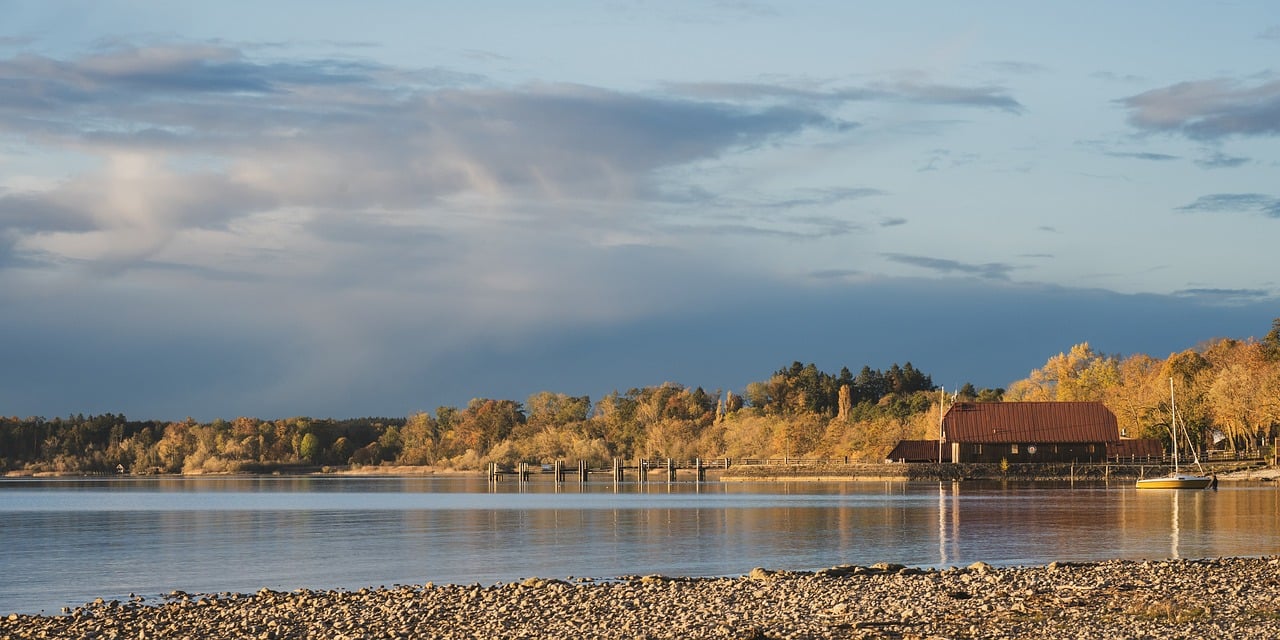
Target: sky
x=339, y=209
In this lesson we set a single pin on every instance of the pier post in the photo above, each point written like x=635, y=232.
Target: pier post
x=558, y=470
x=617, y=470
x=642, y=470
x=582, y=471
x=671, y=471
x=699, y=472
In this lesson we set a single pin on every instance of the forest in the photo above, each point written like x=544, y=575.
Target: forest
x=1228, y=394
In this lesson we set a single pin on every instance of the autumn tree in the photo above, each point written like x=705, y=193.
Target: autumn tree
x=1080, y=374
x=417, y=440
x=1271, y=342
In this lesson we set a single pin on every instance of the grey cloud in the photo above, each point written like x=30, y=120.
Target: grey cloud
x=1157, y=157
x=986, y=97
x=834, y=274
x=123, y=363
x=1225, y=295
x=804, y=228
x=166, y=201
x=1272, y=33
x=1268, y=206
x=213, y=69
x=1116, y=77
x=893, y=222
x=797, y=199
x=1208, y=109
x=757, y=91
x=1219, y=160
x=334, y=135
x=990, y=97
x=571, y=129
x=828, y=196
x=989, y=270
x=30, y=212
x=945, y=159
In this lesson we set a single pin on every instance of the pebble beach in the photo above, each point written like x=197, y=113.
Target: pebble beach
x=1169, y=599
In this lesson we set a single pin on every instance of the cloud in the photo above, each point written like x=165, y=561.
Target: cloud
x=893, y=91
x=1268, y=206
x=835, y=274
x=990, y=97
x=1110, y=76
x=1208, y=109
x=1157, y=157
x=187, y=353
x=989, y=270
x=1219, y=160
x=1226, y=296
x=204, y=137
x=799, y=228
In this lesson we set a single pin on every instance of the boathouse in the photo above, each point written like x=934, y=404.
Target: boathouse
x=1029, y=431
x=1018, y=432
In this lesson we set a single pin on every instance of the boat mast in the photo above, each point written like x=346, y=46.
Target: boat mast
x=1173, y=425
x=942, y=401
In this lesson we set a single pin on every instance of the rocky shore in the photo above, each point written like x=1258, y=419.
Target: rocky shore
x=1223, y=598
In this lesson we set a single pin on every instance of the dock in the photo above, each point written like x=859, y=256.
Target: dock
x=641, y=471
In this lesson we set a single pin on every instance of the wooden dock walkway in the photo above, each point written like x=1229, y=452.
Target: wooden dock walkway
x=641, y=471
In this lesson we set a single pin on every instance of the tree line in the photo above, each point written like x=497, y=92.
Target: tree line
x=798, y=411
x=1228, y=394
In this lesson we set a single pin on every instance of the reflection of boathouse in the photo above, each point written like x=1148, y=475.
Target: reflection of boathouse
x=1022, y=432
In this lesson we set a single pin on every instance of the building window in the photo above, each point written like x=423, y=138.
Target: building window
x=1013, y=449
x=977, y=449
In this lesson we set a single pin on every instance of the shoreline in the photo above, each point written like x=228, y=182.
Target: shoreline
x=854, y=472
x=1224, y=597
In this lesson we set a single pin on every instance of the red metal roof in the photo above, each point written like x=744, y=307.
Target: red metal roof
x=1139, y=448
x=1030, y=422
x=918, y=451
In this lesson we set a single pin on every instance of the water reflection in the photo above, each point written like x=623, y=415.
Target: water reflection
x=67, y=542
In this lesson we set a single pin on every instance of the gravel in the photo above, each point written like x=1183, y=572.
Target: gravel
x=1169, y=599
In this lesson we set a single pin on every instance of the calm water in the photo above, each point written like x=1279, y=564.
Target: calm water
x=66, y=542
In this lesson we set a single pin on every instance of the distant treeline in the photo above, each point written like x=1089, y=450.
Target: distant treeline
x=791, y=413
x=1228, y=394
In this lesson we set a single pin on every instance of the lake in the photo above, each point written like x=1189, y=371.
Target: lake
x=64, y=542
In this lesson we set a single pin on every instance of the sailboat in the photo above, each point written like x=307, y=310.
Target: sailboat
x=1175, y=479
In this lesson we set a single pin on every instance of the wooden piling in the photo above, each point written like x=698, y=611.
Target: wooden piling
x=671, y=471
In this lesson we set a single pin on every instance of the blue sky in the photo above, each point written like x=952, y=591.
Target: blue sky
x=346, y=209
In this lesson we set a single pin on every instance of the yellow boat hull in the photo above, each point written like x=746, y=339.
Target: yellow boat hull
x=1180, y=481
